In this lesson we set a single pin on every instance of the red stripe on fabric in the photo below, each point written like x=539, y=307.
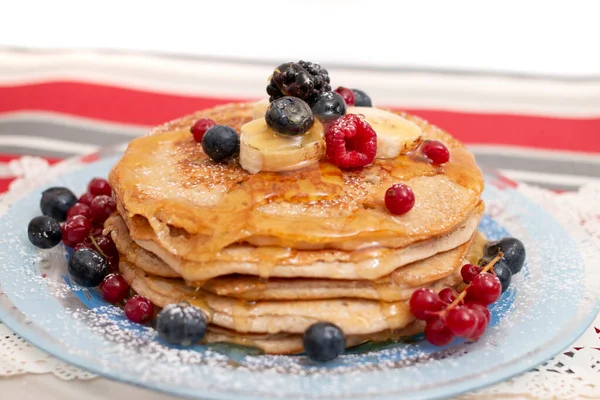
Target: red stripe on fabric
x=4, y=182
x=131, y=106
x=5, y=158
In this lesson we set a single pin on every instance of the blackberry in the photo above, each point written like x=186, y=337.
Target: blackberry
x=304, y=80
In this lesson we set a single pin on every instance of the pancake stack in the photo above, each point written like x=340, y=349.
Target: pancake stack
x=266, y=255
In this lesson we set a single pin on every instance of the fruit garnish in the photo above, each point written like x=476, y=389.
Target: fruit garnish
x=80, y=209
x=469, y=271
x=399, y=199
x=75, y=230
x=221, y=143
x=437, y=332
x=347, y=95
x=101, y=208
x=260, y=108
x=395, y=135
x=361, y=99
x=87, y=268
x=436, y=152
x=462, y=321
x=424, y=302
x=323, y=341
x=114, y=288
x=289, y=116
x=513, y=250
x=328, y=107
x=263, y=149
x=99, y=187
x=448, y=295
x=351, y=142
x=200, y=127
x=44, y=232
x=139, y=309
x=503, y=273
x=484, y=289
x=181, y=324
x=303, y=79
x=56, y=202
x=86, y=198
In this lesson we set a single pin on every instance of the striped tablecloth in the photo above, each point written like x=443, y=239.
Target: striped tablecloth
x=544, y=131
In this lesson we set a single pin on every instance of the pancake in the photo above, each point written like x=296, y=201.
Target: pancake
x=196, y=207
x=353, y=316
x=371, y=263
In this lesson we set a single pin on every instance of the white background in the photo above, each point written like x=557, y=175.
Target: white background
x=540, y=37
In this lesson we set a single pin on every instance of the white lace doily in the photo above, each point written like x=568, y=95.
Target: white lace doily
x=573, y=374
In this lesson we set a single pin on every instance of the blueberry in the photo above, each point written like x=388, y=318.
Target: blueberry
x=329, y=106
x=289, y=116
x=56, y=201
x=221, y=142
x=513, y=250
x=324, y=341
x=361, y=99
x=87, y=268
x=181, y=324
x=503, y=273
x=44, y=232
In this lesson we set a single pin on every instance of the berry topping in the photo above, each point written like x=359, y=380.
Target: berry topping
x=101, y=208
x=483, y=310
x=480, y=326
x=485, y=289
x=44, y=232
x=87, y=268
x=105, y=245
x=80, y=209
x=86, y=198
x=329, y=106
x=181, y=324
x=436, y=151
x=469, y=271
x=56, y=202
x=220, y=143
x=200, y=127
x=99, y=187
x=351, y=142
x=399, y=199
x=503, y=274
x=139, y=309
x=324, y=341
x=513, y=250
x=361, y=99
x=289, y=116
x=304, y=80
x=448, y=295
x=437, y=332
x=462, y=321
x=424, y=302
x=75, y=230
x=347, y=95
x=114, y=288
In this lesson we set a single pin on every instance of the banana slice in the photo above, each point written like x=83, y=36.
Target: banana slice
x=395, y=135
x=262, y=149
x=260, y=108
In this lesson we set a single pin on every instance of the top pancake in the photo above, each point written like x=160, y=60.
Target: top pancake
x=197, y=207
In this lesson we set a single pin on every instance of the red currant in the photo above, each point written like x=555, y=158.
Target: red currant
x=481, y=309
x=469, y=271
x=102, y=207
x=436, y=151
x=97, y=230
x=75, y=230
x=424, y=301
x=86, y=198
x=113, y=262
x=462, y=321
x=99, y=187
x=200, y=127
x=480, y=327
x=347, y=95
x=448, y=295
x=437, y=333
x=114, y=288
x=485, y=289
x=399, y=199
x=79, y=209
x=106, y=245
x=351, y=142
x=139, y=309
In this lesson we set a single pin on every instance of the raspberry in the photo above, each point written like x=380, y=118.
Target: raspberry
x=351, y=142
x=347, y=94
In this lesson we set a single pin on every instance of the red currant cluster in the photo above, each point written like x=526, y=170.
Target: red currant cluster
x=465, y=314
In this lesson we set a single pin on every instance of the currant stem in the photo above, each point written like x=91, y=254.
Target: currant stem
x=96, y=246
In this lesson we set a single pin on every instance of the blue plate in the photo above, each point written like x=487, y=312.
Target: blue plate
x=548, y=306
